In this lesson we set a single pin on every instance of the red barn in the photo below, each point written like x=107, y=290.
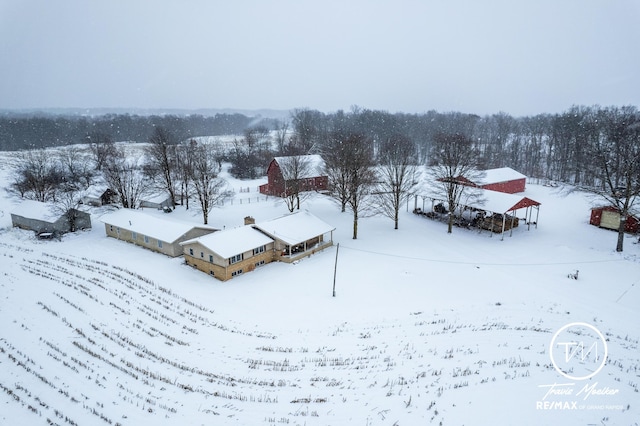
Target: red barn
x=608, y=217
x=504, y=179
x=303, y=171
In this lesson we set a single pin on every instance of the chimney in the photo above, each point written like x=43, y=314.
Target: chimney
x=248, y=220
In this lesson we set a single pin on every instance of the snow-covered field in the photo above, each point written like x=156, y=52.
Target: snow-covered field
x=426, y=327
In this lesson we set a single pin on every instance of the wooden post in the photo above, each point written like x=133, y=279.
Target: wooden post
x=335, y=269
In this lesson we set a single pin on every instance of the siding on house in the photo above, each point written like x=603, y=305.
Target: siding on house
x=220, y=267
x=214, y=253
x=160, y=235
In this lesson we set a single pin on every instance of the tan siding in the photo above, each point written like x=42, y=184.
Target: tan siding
x=168, y=249
x=224, y=273
x=220, y=267
x=610, y=219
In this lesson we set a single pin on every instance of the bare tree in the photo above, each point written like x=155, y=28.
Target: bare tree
x=615, y=157
x=336, y=168
x=76, y=166
x=67, y=204
x=37, y=175
x=453, y=162
x=295, y=169
x=209, y=187
x=398, y=175
x=281, y=134
x=350, y=167
x=124, y=176
x=184, y=160
x=251, y=154
x=102, y=147
x=161, y=165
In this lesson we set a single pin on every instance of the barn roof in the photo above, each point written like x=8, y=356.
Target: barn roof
x=314, y=165
x=232, y=241
x=295, y=228
x=502, y=174
x=500, y=202
x=150, y=225
x=32, y=209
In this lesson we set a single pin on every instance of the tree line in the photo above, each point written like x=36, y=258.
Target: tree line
x=31, y=131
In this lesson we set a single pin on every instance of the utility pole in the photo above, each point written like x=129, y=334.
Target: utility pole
x=335, y=269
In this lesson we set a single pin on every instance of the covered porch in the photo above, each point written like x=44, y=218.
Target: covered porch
x=297, y=235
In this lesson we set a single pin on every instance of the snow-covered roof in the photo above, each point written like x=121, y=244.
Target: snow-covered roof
x=150, y=225
x=94, y=191
x=295, y=228
x=503, y=174
x=157, y=198
x=498, y=202
x=312, y=166
x=232, y=241
x=36, y=210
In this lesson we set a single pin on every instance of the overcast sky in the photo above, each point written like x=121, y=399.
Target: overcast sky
x=520, y=57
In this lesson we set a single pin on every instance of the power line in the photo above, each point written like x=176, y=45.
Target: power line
x=422, y=259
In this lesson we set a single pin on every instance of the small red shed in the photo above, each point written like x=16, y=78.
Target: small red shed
x=608, y=217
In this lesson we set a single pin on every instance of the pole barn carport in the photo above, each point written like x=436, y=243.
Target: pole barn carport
x=502, y=203
x=495, y=203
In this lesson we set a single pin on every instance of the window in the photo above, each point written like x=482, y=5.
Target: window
x=259, y=250
x=236, y=258
x=211, y=273
x=134, y=235
x=159, y=244
x=202, y=254
x=191, y=251
x=211, y=258
x=259, y=263
x=146, y=239
x=238, y=272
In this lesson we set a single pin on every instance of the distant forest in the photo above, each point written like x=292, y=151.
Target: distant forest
x=547, y=146
x=31, y=131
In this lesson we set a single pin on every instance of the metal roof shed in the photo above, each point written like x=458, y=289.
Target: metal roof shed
x=503, y=203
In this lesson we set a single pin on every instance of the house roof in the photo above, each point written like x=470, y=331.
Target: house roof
x=295, y=228
x=150, y=225
x=94, y=191
x=502, y=174
x=36, y=210
x=232, y=241
x=158, y=198
x=314, y=165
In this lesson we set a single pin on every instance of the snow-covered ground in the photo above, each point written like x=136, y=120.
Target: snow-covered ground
x=425, y=328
